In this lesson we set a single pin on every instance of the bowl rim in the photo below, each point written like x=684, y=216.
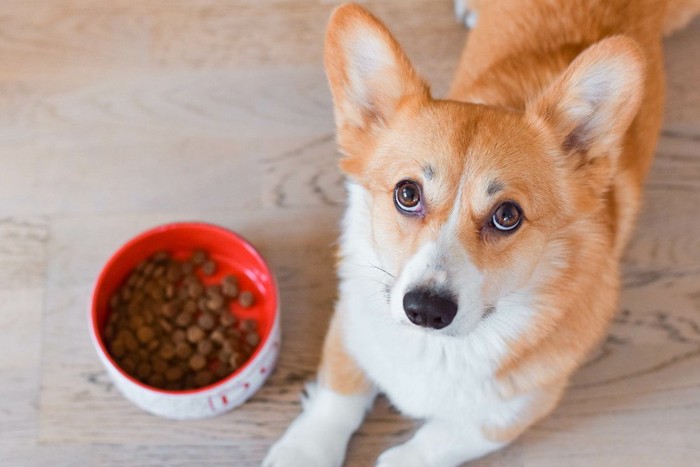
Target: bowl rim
x=99, y=283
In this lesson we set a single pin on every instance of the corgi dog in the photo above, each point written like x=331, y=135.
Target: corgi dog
x=480, y=250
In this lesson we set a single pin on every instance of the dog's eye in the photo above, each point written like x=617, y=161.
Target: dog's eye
x=507, y=217
x=407, y=196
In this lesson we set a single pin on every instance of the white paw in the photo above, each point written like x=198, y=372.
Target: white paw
x=464, y=15
x=304, y=447
x=284, y=454
x=403, y=455
x=319, y=436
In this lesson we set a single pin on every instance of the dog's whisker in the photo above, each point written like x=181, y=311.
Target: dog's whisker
x=382, y=269
x=374, y=266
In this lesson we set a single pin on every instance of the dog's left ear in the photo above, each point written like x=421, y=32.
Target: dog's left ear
x=592, y=104
x=369, y=75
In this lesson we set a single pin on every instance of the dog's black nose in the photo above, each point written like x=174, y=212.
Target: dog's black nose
x=429, y=309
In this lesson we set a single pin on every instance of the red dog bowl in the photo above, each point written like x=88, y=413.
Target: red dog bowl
x=233, y=255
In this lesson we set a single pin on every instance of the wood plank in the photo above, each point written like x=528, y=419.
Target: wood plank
x=117, y=116
x=23, y=257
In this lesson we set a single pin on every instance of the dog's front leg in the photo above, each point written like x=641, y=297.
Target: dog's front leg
x=440, y=443
x=334, y=408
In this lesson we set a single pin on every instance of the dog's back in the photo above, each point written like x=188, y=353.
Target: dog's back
x=519, y=46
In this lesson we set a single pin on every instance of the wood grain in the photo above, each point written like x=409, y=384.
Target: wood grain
x=118, y=116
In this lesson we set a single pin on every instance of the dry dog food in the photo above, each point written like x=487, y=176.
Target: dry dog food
x=169, y=330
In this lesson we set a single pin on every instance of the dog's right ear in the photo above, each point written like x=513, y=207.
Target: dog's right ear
x=369, y=75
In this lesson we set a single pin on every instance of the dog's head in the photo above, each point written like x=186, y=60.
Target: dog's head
x=469, y=203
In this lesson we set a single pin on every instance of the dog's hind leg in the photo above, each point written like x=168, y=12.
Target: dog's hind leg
x=333, y=409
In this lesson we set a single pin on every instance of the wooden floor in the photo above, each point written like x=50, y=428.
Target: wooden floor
x=117, y=116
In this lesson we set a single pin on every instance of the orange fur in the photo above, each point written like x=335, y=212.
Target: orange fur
x=510, y=65
x=536, y=411
x=337, y=370
x=513, y=63
x=679, y=13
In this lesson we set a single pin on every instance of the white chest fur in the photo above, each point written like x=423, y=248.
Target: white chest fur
x=423, y=372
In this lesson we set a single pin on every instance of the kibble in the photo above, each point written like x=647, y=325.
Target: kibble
x=167, y=351
x=195, y=334
x=172, y=331
x=227, y=319
x=156, y=380
x=179, y=335
x=217, y=336
x=165, y=326
x=183, y=350
x=143, y=370
x=215, y=302
x=186, y=268
x=136, y=322
x=128, y=364
x=189, y=382
x=229, y=289
x=203, y=378
x=209, y=268
x=118, y=349
x=161, y=256
x=205, y=347
x=222, y=369
x=159, y=365
x=235, y=360
x=184, y=319
x=206, y=321
x=170, y=291
x=148, y=317
x=199, y=257
x=195, y=289
x=131, y=343
x=229, y=279
x=145, y=334
x=190, y=306
x=213, y=290
x=252, y=339
x=197, y=362
x=246, y=299
x=174, y=373
x=169, y=310
x=173, y=275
